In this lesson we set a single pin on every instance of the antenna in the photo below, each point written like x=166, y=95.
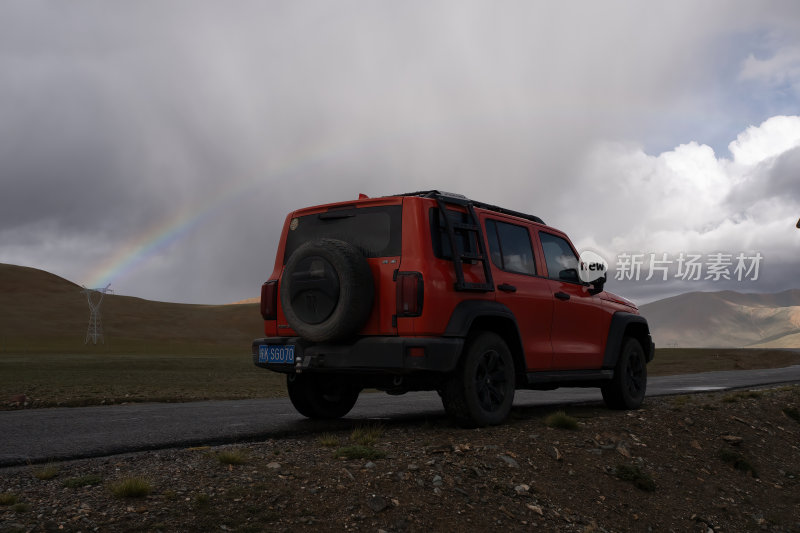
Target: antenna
x=95, y=329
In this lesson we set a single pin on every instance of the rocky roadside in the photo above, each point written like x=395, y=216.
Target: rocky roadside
x=707, y=462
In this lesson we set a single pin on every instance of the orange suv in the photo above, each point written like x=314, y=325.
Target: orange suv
x=433, y=291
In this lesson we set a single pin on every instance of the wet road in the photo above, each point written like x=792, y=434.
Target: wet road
x=40, y=435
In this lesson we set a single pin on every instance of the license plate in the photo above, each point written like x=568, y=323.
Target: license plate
x=276, y=353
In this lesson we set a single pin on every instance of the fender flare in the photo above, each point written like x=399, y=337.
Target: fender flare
x=620, y=323
x=467, y=311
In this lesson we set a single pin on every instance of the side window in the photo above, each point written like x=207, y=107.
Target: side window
x=510, y=247
x=559, y=257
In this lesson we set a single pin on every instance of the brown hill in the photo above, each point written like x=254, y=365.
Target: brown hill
x=726, y=319
x=41, y=312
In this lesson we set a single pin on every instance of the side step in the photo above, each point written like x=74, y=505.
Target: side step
x=568, y=378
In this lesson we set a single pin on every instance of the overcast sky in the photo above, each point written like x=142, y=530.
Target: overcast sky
x=158, y=145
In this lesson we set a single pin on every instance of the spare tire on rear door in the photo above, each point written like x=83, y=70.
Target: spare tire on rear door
x=327, y=290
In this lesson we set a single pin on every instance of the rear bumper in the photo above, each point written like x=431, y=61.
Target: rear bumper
x=366, y=355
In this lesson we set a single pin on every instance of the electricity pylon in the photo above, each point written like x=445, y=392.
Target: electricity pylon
x=95, y=329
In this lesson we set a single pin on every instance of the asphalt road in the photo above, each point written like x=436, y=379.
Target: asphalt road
x=41, y=435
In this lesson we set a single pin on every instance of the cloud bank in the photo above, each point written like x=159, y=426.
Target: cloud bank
x=158, y=145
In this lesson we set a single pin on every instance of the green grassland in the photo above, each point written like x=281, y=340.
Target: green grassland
x=86, y=379
x=190, y=374
x=156, y=351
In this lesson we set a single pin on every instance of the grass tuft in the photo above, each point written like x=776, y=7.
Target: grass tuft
x=329, y=440
x=232, y=457
x=634, y=474
x=792, y=413
x=7, y=498
x=46, y=472
x=358, y=451
x=83, y=481
x=132, y=487
x=202, y=501
x=561, y=420
x=367, y=435
x=737, y=460
x=20, y=507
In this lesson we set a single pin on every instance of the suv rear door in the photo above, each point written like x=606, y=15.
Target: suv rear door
x=579, y=320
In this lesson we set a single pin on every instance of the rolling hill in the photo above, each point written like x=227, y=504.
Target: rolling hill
x=726, y=319
x=41, y=312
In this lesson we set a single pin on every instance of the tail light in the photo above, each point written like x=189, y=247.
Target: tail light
x=269, y=300
x=410, y=292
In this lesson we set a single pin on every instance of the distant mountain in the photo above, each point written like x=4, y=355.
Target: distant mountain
x=726, y=319
x=40, y=312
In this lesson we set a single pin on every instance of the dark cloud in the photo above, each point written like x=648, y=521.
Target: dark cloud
x=119, y=120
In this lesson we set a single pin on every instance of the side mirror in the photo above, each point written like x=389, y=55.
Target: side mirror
x=597, y=285
x=570, y=275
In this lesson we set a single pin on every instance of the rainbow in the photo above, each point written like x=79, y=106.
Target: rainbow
x=163, y=234
x=160, y=236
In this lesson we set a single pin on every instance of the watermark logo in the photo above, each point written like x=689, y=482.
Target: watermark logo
x=591, y=266
x=688, y=267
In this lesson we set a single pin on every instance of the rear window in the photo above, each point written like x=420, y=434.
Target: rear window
x=376, y=231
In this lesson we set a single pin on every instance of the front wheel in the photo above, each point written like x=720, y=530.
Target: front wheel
x=318, y=396
x=626, y=390
x=481, y=390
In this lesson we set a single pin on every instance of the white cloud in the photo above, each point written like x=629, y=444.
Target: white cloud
x=759, y=144
x=690, y=200
x=782, y=68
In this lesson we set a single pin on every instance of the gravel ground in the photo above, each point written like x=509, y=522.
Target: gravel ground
x=708, y=462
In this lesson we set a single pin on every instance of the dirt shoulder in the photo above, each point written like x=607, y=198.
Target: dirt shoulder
x=707, y=462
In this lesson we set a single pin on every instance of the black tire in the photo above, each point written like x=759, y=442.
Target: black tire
x=321, y=397
x=481, y=390
x=629, y=385
x=327, y=290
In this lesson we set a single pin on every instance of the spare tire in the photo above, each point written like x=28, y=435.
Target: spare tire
x=327, y=290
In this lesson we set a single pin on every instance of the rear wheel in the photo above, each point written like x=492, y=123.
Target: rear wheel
x=318, y=396
x=481, y=390
x=627, y=389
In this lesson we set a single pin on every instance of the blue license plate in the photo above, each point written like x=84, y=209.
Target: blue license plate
x=276, y=353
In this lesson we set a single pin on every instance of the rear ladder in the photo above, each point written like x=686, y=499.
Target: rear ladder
x=468, y=229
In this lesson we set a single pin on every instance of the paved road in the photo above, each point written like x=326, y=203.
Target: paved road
x=68, y=433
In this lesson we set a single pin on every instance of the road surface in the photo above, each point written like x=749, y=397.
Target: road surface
x=41, y=435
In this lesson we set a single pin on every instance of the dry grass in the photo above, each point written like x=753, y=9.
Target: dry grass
x=329, y=440
x=82, y=481
x=46, y=472
x=367, y=435
x=132, y=487
x=358, y=451
x=561, y=420
x=232, y=457
x=634, y=474
x=8, y=498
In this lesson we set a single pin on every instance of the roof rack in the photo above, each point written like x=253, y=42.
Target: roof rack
x=460, y=199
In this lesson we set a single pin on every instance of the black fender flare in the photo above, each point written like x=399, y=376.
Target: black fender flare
x=468, y=312
x=621, y=323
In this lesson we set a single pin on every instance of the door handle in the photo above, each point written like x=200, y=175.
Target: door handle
x=562, y=296
x=505, y=287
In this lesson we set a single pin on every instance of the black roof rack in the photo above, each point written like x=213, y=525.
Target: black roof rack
x=460, y=199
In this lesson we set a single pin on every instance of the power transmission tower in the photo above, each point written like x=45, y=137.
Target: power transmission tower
x=95, y=329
